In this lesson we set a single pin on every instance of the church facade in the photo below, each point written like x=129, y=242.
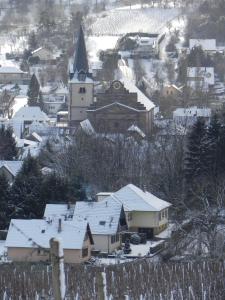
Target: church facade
x=117, y=109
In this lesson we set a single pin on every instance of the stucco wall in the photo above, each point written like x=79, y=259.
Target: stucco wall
x=32, y=255
x=103, y=243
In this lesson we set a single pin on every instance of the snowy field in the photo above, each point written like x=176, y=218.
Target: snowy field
x=123, y=20
x=97, y=43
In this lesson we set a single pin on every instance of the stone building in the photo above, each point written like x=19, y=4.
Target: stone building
x=119, y=107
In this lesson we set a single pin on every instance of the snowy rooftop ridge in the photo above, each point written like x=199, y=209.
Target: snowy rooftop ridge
x=193, y=111
x=134, y=199
x=12, y=70
x=103, y=217
x=206, y=44
x=37, y=233
x=131, y=87
x=13, y=166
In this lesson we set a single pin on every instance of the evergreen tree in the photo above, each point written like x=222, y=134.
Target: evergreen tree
x=33, y=91
x=26, y=199
x=213, y=153
x=8, y=150
x=55, y=189
x=4, y=200
x=32, y=41
x=195, y=158
x=40, y=100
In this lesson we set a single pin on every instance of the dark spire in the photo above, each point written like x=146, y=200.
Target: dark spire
x=80, y=62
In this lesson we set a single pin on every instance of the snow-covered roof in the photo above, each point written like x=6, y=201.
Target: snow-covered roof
x=37, y=50
x=12, y=70
x=103, y=217
x=134, y=199
x=13, y=166
x=202, y=73
x=30, y=113
x=206, y=44
x=87, y=127
x=193, y=111
x=134, y=128
x=37, y=233
x=131, y=87
x=59, y=210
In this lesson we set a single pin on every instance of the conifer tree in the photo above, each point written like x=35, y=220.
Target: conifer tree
x=4, y=200
x=33, y=91
x=195, y=158
x=213, y=153
x=26, y=199
x=8, y=150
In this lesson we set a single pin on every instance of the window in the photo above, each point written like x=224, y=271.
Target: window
x=129, y=217
x=82, y=90
x=115, y=238
x=84, y=252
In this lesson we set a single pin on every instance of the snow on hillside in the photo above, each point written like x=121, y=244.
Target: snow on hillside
x=123, y=20
x=97, y=43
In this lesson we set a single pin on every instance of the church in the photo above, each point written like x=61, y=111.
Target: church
x=119, y=108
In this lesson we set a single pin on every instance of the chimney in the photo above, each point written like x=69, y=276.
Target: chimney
x=68, y=205
x=60, y=225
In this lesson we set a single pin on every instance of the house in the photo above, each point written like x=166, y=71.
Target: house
x=13, y=75
x=26, y=116
x=28, y=240
x=45, y=55
x=10, y=169
x=106, y=219
x=207, y=45
x=54, y=97
x=147, y=46
x=188, y=116
x=171, y=90
x=145, y=213
x=119, y=107
x=200, y=78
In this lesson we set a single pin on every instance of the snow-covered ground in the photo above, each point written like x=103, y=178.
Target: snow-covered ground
x=123, y=20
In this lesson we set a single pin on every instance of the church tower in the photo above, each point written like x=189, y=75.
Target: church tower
x=81, y=86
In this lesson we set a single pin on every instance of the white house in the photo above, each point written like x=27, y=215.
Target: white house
x=29, y=240
x=200, y=78
x=10, y=168
x=27, y=115
x=188, y=116
x=106, y=219
x=13, y=75
x=145, y=213
x=45, y=55
x=208, y=45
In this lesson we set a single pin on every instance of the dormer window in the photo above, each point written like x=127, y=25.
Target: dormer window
x=82, y=90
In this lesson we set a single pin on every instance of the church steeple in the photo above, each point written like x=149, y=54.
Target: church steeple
x=80, y=61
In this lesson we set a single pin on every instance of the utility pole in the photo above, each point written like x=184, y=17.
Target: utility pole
x=58, y=275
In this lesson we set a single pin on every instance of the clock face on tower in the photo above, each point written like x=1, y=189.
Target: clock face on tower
x=117, y=85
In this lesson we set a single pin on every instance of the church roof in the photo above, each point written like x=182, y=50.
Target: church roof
x=80, y=61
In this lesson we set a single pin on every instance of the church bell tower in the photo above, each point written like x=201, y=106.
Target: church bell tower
x=81, y=86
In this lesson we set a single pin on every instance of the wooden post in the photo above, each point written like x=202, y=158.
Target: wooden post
x=57, y=262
